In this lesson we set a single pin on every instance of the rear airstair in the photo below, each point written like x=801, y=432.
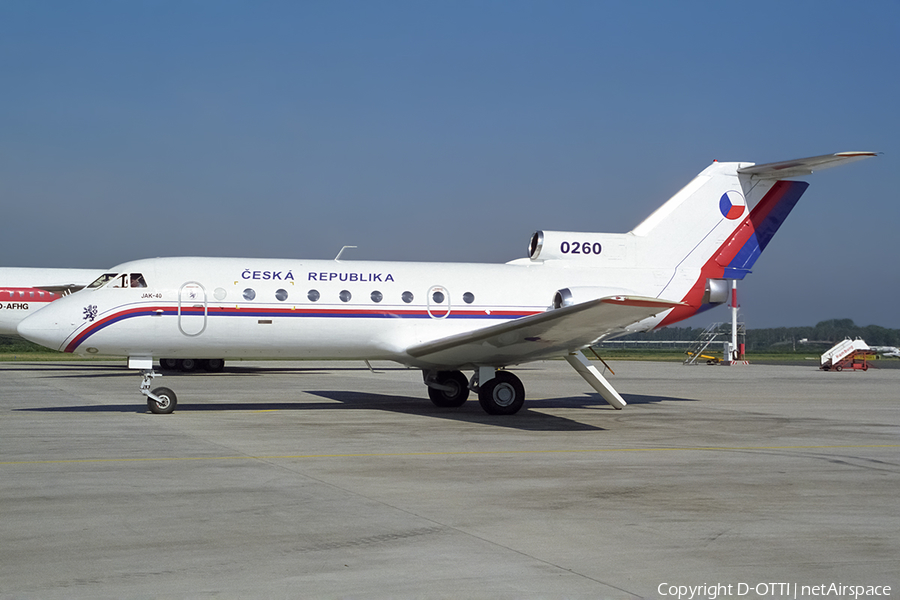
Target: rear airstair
x=846, y=354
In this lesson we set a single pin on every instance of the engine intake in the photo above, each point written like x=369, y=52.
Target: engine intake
x=577, y=295
x=550, y=245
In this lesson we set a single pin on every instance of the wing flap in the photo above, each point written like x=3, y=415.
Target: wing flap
x=547, y=334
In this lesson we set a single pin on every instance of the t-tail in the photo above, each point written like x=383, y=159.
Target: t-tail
x=715, y=229
x=710, y=232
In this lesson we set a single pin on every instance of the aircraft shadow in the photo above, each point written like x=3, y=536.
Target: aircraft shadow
x=67, y=368
x=530, y=418
x=641, y=399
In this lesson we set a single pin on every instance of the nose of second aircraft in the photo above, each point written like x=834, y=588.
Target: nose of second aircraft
x=48, y=327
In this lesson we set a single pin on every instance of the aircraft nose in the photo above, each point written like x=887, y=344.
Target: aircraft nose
x=44, y=328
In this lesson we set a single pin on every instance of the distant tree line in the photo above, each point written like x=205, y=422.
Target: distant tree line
x=786, y=339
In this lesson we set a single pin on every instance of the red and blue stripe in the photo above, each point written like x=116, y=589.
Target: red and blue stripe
x=740, y=251
x=264, y=312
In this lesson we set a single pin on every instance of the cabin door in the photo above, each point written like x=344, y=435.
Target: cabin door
x=192, y=309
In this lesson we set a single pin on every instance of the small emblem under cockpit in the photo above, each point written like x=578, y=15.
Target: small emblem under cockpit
x=90, y=312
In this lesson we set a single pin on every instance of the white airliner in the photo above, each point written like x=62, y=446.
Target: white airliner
x=23, y=291
x=574, y=290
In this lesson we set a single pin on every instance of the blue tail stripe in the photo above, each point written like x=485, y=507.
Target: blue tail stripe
x=767, y=226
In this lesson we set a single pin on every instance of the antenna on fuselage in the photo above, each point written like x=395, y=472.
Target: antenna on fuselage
x=338, y=257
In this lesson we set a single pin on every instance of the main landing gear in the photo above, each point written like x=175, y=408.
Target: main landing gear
x=502, y=395
x=188, y=365
x=499, y=392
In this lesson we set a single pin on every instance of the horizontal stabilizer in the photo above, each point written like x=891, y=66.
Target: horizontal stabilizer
x=803, y=166
x=543, y=335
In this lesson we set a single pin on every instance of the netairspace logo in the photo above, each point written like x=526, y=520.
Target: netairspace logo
x=771, y=590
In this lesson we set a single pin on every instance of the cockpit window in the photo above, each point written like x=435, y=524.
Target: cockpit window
x=101, y=281
x=125, y=280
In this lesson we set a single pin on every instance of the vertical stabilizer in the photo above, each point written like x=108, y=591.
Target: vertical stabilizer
x=718, y=225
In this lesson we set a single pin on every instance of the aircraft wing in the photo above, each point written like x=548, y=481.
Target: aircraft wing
x=803, y=166
x=552, y=333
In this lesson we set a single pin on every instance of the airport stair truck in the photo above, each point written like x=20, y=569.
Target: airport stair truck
x=846, y=354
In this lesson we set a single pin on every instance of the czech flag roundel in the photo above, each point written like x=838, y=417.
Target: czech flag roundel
x=732, y=205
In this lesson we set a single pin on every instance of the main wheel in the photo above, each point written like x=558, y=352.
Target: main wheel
x=166, y=404
x=502, y=395
x=168, y=364
x=214, y=365
x=187, y=365
x=452, y=399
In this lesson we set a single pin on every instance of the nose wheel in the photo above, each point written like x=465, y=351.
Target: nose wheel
x=161, y=400
x=164, y=403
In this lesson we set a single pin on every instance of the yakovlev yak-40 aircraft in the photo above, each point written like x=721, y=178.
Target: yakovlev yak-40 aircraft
x=575, y=289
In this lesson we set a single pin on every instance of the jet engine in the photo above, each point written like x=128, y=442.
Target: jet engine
x=576, y=295
x=555, y=245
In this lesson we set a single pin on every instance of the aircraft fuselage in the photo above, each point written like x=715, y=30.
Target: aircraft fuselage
x=245, y=308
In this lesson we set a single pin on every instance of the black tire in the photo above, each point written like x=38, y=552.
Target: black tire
x=453, y=399
x=168, y=404
x=502, y=395
x=839, y=368
x=188, y=365
x=213, y=365
x=168, y=364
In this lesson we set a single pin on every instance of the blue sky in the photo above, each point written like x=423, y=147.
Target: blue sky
x=445, y=131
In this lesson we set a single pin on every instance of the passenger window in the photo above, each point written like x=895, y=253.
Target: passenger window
x=438, y=297
x=345, y=296
x=468, y=297
x=407, y=297
x=281, y=295
x=313, y=295
x=249, y=294
x=377, y=296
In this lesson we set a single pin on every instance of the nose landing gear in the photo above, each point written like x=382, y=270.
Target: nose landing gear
x=161, y=400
